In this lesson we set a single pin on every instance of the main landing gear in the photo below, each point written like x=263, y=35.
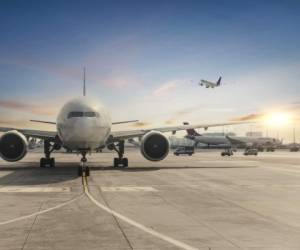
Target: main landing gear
x=120, y=161
x=47, y=161
x=83, y=168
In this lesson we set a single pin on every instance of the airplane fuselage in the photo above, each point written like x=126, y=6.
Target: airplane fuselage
x=83, y=124
x=208, y=84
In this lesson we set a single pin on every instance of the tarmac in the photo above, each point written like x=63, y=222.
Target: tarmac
x=203, y=201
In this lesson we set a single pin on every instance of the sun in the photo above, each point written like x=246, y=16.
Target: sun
x=278, y=119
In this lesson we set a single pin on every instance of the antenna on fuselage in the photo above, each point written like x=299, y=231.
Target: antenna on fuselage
x=84, y=91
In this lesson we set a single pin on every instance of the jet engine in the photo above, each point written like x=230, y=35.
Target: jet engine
x=13, y=146
x=155, y=146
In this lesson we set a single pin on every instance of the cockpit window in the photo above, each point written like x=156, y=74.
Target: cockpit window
x=82, y=114
x=90, y=114
x=75, y=114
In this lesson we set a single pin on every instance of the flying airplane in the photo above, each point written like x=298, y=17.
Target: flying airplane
x=84, y=125
x=209, y=84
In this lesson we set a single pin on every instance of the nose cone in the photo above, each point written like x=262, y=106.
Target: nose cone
x=84, y=129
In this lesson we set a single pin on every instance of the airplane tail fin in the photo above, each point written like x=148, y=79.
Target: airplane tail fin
x=219, y=81
x=191, y=131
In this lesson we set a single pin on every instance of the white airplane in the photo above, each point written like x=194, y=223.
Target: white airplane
x=209, y=84
x=228, y=141
x=206, y=139
x=260, y=142
x=84, y=125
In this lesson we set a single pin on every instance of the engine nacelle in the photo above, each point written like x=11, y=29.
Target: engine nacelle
x=13, y=146
x=155, y=146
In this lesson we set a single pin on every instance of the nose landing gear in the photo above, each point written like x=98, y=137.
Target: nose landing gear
x=83, y=168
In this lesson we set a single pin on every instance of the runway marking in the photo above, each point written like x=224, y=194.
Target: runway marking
x=26, y=189
x=128, y=189
x=41, y=211
x=284, y=169
x=134, y=223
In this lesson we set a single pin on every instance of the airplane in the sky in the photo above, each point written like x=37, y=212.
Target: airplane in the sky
x=209, y=84
x=84, y=125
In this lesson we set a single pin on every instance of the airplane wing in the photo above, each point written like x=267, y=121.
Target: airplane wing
x=122, y=122
x=123, y=135
x=113, y=123
x=32, y=133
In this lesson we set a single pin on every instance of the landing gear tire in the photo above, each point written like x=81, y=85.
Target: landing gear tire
x=79, y=171
x=116, y=162
x=47, y=162
x=123, y=162
x=87, y=171
x=52, y=162
x=42, y=162
x=82, y=170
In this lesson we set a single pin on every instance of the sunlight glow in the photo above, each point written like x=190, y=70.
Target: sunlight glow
x=278, y=119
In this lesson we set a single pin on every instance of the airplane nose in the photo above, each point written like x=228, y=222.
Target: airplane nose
x=83, y=129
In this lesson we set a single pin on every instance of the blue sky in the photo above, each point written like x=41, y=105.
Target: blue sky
x=142, y=55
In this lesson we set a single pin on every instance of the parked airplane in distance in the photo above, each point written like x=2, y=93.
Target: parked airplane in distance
x=84, y=125
x=209, y=84
x=209, y=140
x=260, y=143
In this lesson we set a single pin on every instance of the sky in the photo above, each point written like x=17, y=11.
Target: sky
x=144, y=60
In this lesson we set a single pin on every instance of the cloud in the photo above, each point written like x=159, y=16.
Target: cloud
x=55, y=69
x=118, y=80
x=24, y=123
x=170, y=122
x=250, y=117
x=29, y=108
x=165, y=88
x=140, y=124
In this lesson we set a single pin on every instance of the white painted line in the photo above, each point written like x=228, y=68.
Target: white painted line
x=30, y=189
x=283, y=169
x=136, y=224
x=40, y=212
x=128, y=189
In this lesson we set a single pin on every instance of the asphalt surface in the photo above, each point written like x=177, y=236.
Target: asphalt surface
x=203, y=201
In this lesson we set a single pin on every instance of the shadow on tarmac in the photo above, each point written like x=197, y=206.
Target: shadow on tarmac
x=140, y=169
x=29, y=173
